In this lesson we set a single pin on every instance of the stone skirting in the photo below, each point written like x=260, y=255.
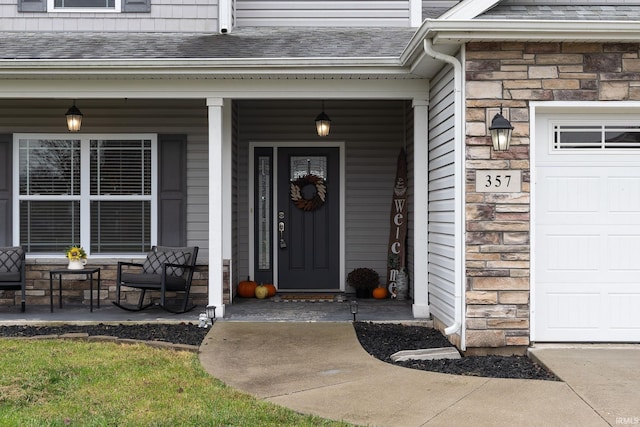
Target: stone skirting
x=497, y=224
x=75, y=289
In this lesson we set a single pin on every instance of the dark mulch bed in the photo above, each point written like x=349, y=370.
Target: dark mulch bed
x=183, y=333
x=383, y=340
x=379, y=339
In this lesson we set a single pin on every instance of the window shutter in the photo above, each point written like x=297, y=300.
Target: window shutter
x=32, y=5
x=136, y=5
x=172, y=190
x=5, y=190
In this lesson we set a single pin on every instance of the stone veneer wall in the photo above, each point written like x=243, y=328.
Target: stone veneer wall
x=497, y=224
x=76, y=291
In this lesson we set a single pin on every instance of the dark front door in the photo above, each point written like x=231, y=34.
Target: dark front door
x=308, y=218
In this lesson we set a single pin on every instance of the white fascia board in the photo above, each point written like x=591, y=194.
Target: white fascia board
x=203, y=67
x=469, y=9
x=458, y=32
x=293, y=88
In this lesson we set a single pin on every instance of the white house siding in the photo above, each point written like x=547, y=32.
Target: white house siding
x=373, y=132
x=131, y=116
x=318, y=13
x=441, y=197
x=165, y=16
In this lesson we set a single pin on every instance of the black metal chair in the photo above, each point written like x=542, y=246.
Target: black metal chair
x=166, y=269
x=12, y=271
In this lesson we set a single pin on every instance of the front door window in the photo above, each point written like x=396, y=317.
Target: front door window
x=263, y=201
x=308, y=165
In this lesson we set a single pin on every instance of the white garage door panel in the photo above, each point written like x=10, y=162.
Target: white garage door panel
x=575, y=195
x=624, y=313
x=570, y=316
x=569, y=256
x=587, y=252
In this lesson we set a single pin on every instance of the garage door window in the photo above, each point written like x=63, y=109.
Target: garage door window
x=596, y=137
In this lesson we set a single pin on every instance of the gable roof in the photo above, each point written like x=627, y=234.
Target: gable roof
x=536, y=20
x=567, y=10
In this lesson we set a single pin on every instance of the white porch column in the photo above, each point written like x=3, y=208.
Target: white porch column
x=421, y=209
x=216, y=238
x=227, y=210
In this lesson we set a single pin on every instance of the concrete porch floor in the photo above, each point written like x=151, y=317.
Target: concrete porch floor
x=249, y=310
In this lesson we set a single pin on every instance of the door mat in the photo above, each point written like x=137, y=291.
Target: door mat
x=308, y=298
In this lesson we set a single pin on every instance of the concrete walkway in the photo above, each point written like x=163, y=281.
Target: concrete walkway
x=315, y=365
x=321, y=369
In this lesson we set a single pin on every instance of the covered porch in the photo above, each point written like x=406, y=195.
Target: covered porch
x=222, y=135
x=220, y=114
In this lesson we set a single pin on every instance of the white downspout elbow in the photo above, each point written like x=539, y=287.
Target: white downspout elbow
x=459, y=186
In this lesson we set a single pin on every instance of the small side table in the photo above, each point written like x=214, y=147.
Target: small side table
x=88, y=272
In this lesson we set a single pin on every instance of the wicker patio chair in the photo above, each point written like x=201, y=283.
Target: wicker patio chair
x=166, y=269
x=12, y=271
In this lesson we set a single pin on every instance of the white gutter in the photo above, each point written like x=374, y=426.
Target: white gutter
x=208, y=67
x=458, y=186
x=461, y=31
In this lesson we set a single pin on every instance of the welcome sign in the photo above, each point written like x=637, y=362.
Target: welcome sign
x=398, y=232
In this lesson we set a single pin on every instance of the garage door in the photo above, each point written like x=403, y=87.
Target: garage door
x=587, y=231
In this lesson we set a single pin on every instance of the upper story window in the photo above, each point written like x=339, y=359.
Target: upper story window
x=93, y=6
x=83, y=5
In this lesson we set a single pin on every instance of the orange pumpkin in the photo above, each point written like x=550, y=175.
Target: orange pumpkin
x=271, y=288
x=380, y=293
x=247, y=288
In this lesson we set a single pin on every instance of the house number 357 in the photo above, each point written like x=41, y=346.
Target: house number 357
x=498, y=181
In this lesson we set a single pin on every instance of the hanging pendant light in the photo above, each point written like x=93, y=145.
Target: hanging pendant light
x=74, y=118
x=323, y=123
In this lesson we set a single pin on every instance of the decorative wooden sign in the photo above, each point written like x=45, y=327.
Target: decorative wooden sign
x=396, y=259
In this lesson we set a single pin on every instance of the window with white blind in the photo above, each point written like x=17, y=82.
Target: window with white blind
x=83, y=5
x=95, y=190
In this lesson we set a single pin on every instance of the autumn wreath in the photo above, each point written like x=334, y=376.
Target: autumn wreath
x=316, y=201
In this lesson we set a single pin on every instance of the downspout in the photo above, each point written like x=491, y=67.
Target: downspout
x=458, y=184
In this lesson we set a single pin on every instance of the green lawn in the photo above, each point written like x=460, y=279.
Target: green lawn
x=78, y=383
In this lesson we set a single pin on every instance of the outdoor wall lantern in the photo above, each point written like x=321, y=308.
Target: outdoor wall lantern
x=500, y=130
x=74, y=118
x=353, y=305
x=323, y=123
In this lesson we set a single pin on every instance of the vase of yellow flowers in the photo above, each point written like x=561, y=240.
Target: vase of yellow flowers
x=77, y=258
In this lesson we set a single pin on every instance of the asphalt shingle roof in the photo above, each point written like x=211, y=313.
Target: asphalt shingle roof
x=285, y=43
x=567, y=10
x=253, y=43
x=433, y=12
